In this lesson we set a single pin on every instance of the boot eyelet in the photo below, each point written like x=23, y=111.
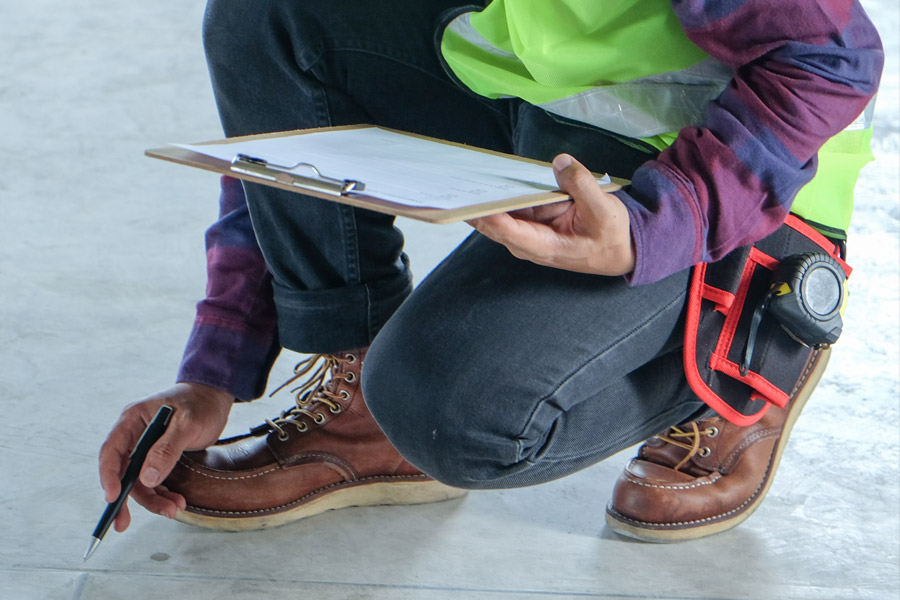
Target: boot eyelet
x=283, y=436
x=712, y=432
x=336, y=409
x=345, y=394
x=349, y=376
x=301, y=426
x=351, y=358
x=704, y=452
x=320, y=418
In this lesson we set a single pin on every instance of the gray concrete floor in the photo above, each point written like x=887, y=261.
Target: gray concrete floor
x=101, y=260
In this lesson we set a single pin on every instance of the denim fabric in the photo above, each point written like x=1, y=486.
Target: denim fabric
x=339, y=272
x=497, y=372
x=494, y=372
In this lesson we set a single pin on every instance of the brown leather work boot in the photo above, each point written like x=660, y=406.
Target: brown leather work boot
x=707, y=476
x=324, y=453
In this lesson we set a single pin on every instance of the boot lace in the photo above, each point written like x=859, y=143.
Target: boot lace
x=689, y=439
x=317, y=376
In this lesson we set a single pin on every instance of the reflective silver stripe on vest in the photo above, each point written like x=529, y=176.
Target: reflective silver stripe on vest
x=648, y=106
x=462, y=26
x=643, y=107
x=864, y=120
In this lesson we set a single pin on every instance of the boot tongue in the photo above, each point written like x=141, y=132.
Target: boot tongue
x=663, y=453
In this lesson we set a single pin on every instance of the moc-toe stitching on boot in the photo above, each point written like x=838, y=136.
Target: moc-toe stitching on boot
x=683, y=523
x=676, y=524
x=694, y=522
x=714, y=477
x=223, y=475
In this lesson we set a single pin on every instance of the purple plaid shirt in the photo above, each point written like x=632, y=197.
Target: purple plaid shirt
x=804, y=70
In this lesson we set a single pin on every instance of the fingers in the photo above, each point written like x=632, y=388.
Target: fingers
x=159, y=500
x=162, y=456
x=601, y=224
x=588, y=234
x=177, y=499
x=574, y=178
x=201, y=413
x=547, y=213
x=543, y=213
x=111, y=467
x=114, y=457
x=123, y=519
x=524, y=239
x=115, y=450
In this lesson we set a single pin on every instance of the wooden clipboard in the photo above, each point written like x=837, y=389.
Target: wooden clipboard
x=348, y=191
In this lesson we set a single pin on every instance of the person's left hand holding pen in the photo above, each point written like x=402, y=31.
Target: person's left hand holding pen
x=200, y=415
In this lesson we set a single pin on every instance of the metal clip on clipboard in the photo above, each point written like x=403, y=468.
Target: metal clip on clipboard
x=257, y=167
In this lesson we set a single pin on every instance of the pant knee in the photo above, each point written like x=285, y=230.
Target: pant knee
x=421, y=412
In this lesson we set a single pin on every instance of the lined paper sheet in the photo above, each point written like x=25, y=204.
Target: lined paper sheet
x=398, y=168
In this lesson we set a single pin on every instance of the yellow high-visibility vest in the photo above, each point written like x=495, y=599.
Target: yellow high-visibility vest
x=577, y=59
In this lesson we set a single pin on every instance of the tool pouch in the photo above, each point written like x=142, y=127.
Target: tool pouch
x=723, y=297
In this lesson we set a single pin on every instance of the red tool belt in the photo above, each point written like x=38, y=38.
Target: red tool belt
x=723, y=298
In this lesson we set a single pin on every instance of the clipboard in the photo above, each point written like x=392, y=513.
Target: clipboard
x=301, y=174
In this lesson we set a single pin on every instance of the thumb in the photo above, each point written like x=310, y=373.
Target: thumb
x=572, y=176
x=162, y=458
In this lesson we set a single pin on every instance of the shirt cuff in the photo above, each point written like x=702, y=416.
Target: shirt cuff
x=220, y=355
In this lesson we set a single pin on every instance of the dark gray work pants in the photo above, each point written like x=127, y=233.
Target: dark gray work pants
x=494, y=372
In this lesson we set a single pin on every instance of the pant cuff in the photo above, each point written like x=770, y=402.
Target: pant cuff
x=334, y=320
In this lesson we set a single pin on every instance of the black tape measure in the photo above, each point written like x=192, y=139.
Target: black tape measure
x=808, y=296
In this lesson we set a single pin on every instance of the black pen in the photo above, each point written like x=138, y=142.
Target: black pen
x=150, y=436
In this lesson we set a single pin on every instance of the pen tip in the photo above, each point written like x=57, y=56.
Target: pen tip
x=94, y=543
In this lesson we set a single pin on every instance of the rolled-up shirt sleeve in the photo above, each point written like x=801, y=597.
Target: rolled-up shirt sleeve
x=234, y=341
x=803, y=71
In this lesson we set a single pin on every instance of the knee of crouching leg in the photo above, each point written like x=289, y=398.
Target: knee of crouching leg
x=451, y=461
x=419, y=412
